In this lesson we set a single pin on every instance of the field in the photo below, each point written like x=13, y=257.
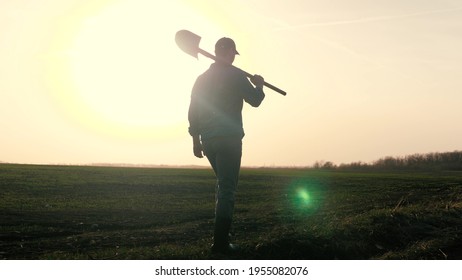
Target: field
x=69, y=212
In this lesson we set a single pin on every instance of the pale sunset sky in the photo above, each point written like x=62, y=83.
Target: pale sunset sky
x=102, y=81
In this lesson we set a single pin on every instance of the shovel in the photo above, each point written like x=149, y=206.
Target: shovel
x=189, y=43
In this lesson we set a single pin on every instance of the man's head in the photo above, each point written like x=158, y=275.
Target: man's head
x=225, y=50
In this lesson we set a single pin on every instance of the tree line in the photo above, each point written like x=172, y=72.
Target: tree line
x=450, y=161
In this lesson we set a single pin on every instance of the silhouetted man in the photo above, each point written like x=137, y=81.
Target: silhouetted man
x=215, y=118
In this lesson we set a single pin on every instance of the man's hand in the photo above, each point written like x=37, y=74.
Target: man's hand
x=197, y=147
x=257, y=81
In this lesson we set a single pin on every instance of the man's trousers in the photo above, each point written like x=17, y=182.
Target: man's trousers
x=224, y=155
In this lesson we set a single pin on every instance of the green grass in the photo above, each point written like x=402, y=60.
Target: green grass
x=65, y=212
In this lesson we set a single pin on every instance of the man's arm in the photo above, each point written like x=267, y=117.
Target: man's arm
x=197, y=147
x=255, y=95
x=193, y=117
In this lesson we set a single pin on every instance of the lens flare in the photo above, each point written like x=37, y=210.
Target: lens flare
x=305, y=196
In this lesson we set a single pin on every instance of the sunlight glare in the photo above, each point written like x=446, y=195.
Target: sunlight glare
x=126, y=76
x=122, y=64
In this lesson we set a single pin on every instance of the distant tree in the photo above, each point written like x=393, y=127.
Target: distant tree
x=328, y=165
x=318, y=164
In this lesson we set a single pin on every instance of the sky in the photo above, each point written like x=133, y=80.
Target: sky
x=102, y=81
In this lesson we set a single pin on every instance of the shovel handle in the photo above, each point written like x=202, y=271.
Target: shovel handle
x=268, y=85
x=278, y=90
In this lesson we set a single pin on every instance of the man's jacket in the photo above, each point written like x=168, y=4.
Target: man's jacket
x=217, y=99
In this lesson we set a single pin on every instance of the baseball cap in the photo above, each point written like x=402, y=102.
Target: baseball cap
x=225, y=44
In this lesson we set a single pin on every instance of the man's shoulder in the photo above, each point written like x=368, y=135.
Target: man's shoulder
x=226, y=70
x=219, y=72
x=207, y=72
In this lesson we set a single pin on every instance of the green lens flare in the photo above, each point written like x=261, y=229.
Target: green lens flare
x=303, y=197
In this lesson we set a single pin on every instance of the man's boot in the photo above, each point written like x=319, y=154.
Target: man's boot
x=221, y=237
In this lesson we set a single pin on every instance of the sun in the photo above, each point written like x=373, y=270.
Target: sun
x=123, y=74
x=120, y=65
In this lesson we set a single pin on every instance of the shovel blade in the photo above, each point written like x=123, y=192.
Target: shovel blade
x=188, y=42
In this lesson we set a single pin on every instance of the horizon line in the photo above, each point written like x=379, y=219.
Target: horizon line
x=197, y=166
